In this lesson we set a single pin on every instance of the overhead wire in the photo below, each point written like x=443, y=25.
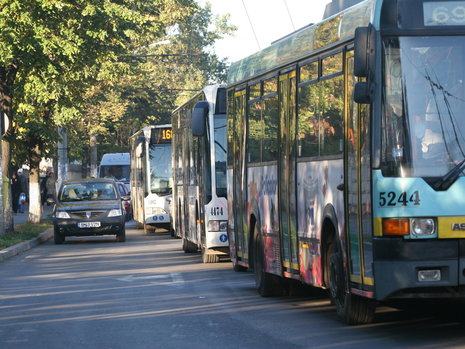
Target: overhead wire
x=289, y=14
x=251, y=25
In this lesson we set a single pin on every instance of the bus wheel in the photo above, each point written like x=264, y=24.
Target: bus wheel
x=352, y=309
x=264, y=282
x=237, y=267
x=188, y=247
x=148, y=229
x=209, y=257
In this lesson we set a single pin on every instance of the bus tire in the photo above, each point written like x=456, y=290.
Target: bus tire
x=188, y=247
x=237, y=267
x=350, y=308
x=264, y=282
x=148, y=229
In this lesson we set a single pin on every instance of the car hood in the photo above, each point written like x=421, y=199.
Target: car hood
x=88, y=205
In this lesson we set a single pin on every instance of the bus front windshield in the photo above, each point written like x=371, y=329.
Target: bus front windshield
x=161, y=181
x=423, y=123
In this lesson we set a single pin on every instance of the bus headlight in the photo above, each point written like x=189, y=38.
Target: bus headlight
x=217, y=226
x=422, y=226
x=158, y=211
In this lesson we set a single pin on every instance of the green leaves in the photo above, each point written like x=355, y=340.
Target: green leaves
x=70, y=72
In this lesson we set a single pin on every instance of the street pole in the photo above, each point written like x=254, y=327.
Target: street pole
x=62, y=174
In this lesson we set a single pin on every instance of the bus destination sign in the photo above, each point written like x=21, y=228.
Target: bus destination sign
x=443, y=13
x=161, y=135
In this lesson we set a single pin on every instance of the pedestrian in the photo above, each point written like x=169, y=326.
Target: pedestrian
x=15, y=191
x=23, y=187
x=43, y=187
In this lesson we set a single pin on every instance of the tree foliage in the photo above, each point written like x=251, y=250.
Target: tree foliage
x=70, y=63
x=156, y=78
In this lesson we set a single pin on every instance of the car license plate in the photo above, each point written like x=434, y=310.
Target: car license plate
x=89, y=224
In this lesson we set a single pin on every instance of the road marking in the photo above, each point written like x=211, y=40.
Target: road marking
x=173, y=279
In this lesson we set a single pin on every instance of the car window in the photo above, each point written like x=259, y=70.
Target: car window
x=88, y=191
x=122, y=189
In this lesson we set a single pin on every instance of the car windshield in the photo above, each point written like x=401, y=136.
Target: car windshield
x=88, y=191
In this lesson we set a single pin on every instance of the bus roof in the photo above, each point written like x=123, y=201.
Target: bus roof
x=303, y=43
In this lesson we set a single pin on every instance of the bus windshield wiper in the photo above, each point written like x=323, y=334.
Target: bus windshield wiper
x=448, y=179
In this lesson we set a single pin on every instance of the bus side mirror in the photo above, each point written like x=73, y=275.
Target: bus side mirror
x=364, y=51
x=199, y=117
x=364, y=61
x=362, y=93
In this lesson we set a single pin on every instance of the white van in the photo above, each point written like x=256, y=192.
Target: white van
x=117, y=166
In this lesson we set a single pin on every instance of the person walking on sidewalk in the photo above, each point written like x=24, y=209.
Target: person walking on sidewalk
x=15, y=191
x=23, y=186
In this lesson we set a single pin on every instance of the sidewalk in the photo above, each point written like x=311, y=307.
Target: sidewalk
x=21, y=218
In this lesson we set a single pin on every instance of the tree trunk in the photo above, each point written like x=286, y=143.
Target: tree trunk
x=2, y=193
x=35, y=203
x=93, y=156
x=7, y=79
x=8, y=208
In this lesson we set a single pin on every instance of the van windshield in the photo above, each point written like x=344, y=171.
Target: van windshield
x=118, y=172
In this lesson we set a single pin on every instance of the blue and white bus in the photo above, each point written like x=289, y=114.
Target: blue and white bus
x=151, y=177
x=346, y=156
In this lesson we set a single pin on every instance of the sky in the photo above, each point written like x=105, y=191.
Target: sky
x=271, y=20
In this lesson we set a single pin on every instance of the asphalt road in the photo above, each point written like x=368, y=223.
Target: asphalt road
x=146, y=293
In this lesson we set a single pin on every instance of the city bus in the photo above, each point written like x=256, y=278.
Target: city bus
x=346, y=156
x=199, y=160
x=151, y=177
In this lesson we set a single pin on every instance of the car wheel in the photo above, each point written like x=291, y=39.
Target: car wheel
x=57, y=237
x=121, y=236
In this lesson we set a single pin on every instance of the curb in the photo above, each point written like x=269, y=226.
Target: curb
x=25, y=245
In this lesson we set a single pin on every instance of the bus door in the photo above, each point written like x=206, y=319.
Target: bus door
x=240, y=178
x=357, y=187
x=286, y=172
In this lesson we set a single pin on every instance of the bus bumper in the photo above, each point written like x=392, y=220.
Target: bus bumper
x=158, y=219
x=217, y=239
x=418, y=269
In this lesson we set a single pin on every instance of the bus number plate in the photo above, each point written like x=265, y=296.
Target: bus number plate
x=217, y=211
x=392, y=199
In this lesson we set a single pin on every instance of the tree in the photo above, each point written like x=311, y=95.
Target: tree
x=51, y=50
x=157, y=77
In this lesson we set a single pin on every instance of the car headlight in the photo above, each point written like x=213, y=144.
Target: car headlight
x=62, y=215
x=422, y=226
x=115, y=212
